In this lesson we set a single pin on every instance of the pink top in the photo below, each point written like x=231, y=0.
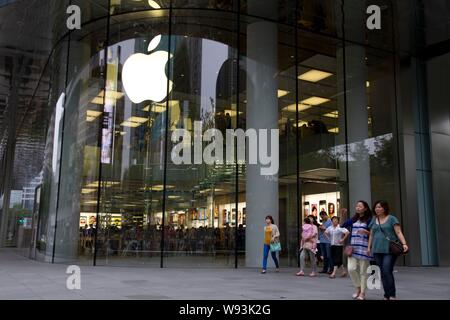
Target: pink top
x=310, y=235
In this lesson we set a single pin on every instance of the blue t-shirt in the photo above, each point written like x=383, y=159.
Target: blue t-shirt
x=322, y=237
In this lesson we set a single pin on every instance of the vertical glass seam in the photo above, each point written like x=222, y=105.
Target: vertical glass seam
x=166, y=135
x=62, y=144
x=99, y=141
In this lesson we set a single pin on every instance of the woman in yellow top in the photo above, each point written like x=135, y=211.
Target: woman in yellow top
x=271, y=235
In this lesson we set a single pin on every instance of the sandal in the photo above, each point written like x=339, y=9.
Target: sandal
x=313, y=274
x=332, y=276
x=362, y=296
x=300, y=274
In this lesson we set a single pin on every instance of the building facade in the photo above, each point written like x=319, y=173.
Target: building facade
x=361, y=114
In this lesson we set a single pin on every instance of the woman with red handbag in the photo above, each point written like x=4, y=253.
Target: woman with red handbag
x=385, y=234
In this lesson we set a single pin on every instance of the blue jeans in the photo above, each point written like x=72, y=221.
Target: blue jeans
x=325, y=249
x=386, y=264
x=266, y=255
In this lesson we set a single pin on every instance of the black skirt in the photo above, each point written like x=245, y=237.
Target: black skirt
x=336, y=253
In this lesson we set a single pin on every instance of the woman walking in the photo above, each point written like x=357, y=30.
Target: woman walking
x=308, y=246
x=337, y=236
x=358, y=260
x=385, y=228
x=271, y=236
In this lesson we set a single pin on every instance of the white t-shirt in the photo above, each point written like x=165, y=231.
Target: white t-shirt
x=336, y=234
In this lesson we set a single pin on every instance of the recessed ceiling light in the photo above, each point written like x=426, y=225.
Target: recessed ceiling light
x=282, y=93
x=114, y=95
x=154, y=4
x=88, y=190
x=334, y=130
x=293, y=107
x=314, y=75
x=130, y=124
x=91, y=115
x=315, y=101
x=137, y=119
x=333, y=114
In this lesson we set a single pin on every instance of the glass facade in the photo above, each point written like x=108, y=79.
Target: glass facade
x=105, y=187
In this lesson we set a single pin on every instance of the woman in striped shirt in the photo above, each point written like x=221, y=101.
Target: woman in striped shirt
x=358, y=262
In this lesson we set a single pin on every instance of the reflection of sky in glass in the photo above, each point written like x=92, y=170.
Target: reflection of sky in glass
x=214, y=54
x=369, y=144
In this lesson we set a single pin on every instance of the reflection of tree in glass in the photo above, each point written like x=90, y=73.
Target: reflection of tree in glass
x=383, y=161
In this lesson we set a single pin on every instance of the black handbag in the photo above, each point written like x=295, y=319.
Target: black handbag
x=395, y=247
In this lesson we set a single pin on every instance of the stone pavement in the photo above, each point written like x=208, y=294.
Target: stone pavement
x=21, y=278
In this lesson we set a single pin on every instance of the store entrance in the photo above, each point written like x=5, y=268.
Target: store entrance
x=319, y=195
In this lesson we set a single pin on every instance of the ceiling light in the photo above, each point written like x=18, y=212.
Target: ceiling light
x=91, y=115
x=137, y=119
x=103, y=183
x=87, y=190
x=315, y=101
x=130, y=124
x=115, y=95
x=334, y=130
x=282, y=93
x=293, y=107
x=154, y=4
x=333, y=114
x=161, y=107
x=314, y=75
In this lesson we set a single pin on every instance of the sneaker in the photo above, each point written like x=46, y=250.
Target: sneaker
x=313, y=274
x=263, y=272
x=300, y=274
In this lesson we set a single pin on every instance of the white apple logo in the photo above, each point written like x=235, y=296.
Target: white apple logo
x=144, y=76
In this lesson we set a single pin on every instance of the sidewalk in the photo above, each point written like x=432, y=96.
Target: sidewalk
x=21, y=278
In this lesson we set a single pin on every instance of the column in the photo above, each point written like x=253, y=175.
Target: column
x=262, y=113
x=353, y=114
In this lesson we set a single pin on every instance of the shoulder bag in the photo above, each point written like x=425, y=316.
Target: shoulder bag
x=395, y=247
